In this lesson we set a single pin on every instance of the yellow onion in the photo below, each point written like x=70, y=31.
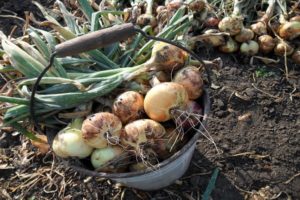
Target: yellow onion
x=167, y=57
x=197, y=5
x=109, y=159
x=283, y=48
x=230, y=46
x=128, y=106
x=249, y=48
x=190, y=78
x=232, y=25
x=290, y=30
x=141, y=132
x=259, y=28
x=211, y=22
x=147, y=18
x=101, y=129
x=245, y=35
x=296, y=56
x=266, y=43
x=211, y=37
x=295, y=19
x=163, y=98
x=69, y=142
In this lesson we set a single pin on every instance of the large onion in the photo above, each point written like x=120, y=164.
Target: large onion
x=163, y=98
x=283, y=48
x=232, y=25
x=245, y=35
x=101, y=129
x=230, y=46
x=290, y=30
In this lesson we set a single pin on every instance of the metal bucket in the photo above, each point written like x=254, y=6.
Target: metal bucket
x=167, y=171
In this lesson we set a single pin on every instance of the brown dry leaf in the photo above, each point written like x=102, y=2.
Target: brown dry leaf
x=43, y=146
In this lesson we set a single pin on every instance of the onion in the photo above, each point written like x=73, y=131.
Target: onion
x=100, y=129
x=290, y=30
x=147, y=18
x=245, y=35
x=260, y=28
x=191, y=119
x=249, y=48
x=190, y=78
x=141, y=134
x=232, y=25
x=211, y=22
x=230, y=46
x=211, y=37
x=128, y=106
x=167, y=57
x=163, y=98
x=197, y=5
x=173, y=5
x=296, y=56
x=69, y=142
x=266, y=43
x=295, y=19
x=109, y=159
x=283, y=48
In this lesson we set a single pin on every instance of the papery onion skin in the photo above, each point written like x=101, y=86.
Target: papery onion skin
x=230, y=46
x=249, y=48
x=100, y=158
x=146, y=19
x=283, y=48
x=232, y=25
x=290, y=30
x=140, y=132
x=190, y=78
x=162, y=98
x=167, y=57
x=259, y=28
x=99, y=127
x=129, y=106
x=246, y=34
x=69, y=143
x=295, y=19
x=266, y=43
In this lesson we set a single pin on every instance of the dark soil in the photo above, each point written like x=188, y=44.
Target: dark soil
x=259, y=153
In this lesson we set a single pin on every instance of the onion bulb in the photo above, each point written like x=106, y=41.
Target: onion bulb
x=128, y=106
x=283, y=48
x=197, y=5
x=190, y=78
x=211, y=22
x=230, y=46
x=141, y=132
x=296, y=56
x=147, y=18
x=232, y=25
x=295, y=19
x=245, y=35
x=259, y=28
x=101, y=129
x=249, y=48
x=266, y=43
x=163, y=98
x=69, y=142
x=211, y=37
x=290, y=30
x=167, y=57
x=109, y=159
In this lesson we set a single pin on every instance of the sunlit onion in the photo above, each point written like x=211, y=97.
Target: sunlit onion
x=266, y=43
x=245, y=35
x=230, y=46
x=283, y=48
x=249, y=48
x=232, y=25
x=290, y=30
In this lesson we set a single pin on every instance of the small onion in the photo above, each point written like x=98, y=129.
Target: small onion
x=283, y=48
x=163, y=98
x=230, y=46
x=108, y=159
x=296, y=56
x=290, y=30
x=249, y=48
x=211, y=22
x=146, y=19
x=232, y=25
x=211, y=37
x=190, y=78
x=69, y=143
x=266, y=43
x=245, y=35
x=128, y=106
x=197, y=5
x=100, y=129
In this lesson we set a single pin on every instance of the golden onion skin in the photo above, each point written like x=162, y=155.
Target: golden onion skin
x=259, y=28
x=290, y=30
x=266, y=43
x=230, y=46
x=129, y=106
x=190, y=78
x=232, y=25
x=99, y=127
x=283, y=48
x=246, y=34
x=162, y=98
